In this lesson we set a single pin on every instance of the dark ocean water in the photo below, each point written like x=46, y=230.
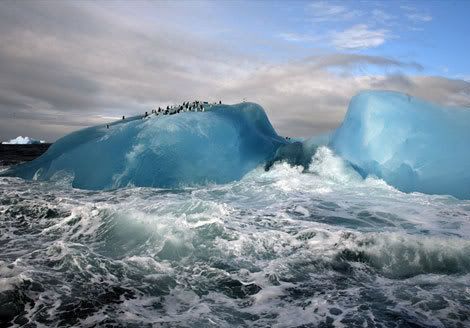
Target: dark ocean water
x=14, y=154
x=283, y=248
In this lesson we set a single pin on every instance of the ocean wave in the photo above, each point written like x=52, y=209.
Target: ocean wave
x=283, y=247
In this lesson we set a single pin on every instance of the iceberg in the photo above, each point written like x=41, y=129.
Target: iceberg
x=411, y=144
x=20, y=140
x=190, y=148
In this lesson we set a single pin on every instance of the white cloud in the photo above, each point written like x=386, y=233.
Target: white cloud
x=381, y=16
x=322, y=11
x=381, y=25
x=416, y=17
x=294, y=37
x=359, y=37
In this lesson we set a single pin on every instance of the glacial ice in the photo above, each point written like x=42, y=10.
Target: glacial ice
x=411, y=144
x=189, y=148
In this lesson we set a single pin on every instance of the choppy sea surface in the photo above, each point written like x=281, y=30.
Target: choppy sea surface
x=283, y=248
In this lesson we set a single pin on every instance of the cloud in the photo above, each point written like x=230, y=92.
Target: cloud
x=381, y=16
x=307, y=91
x=348, y=61
x=354, y=38
x=359, y=37
x=413, y=14
x=322, y=11
x=66, y=65
x=419, y=17
x=294, y=37
x=71, y=63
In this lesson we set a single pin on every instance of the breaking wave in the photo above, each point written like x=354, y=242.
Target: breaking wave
x=280, y=248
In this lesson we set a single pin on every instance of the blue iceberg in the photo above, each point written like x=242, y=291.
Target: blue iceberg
x=411, y=144
x=189, y=148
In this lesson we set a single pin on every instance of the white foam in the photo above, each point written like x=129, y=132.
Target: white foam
x=286, y=231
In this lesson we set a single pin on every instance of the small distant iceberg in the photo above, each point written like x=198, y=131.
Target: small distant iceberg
x=20, y=140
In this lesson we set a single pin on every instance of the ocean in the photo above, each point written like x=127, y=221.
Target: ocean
x=321, y=247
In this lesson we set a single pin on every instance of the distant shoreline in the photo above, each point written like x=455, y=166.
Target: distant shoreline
x=15, y=154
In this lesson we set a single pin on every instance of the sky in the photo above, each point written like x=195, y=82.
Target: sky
x=65, y=65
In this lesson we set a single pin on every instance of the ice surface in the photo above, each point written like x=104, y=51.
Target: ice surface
x=189, y=148
x=411, y=144
x=20, y=140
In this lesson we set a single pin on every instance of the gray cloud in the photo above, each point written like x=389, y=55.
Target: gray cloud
x=355, y=60
x=66, y=65
x=307, y=92
x=59, y=58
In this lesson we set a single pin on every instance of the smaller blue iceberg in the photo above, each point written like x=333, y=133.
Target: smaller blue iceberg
x=189, y=148
x=411, y=144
